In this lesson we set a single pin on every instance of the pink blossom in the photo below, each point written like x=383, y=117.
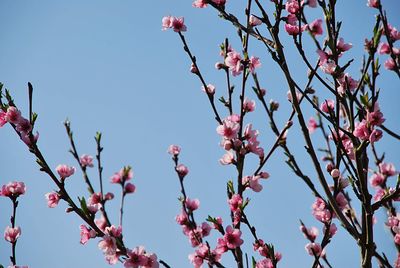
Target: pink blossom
x=65, y=171
x=254, y=21
x=112, y=258
x=178, y=24
x=376, y=135
x=23, y=126
x=361, y=130
x=249, y=105
x=125, y=174
x=13, y=115
x=86, y=160
x=294, y=29
x=250, y=134
x=329, y=67
x=210, y=89
x=312, y=125
x=373, y=3
x=95, y=198
x=390, y=64
x=341, y=200
x=86, y=234
x=3, y=119
x=227, y=158
x=108, y=245
x=375, y=118
x=320, y=210
x=315, y=27
x=130, y=188
x=182, y=170
x=11, y=234
x=254, y=63
x=313, y=249
x=342, y=46
x=13, y=189
x=291, y=19
x=387, y=169
x=310, y=233
x=235, y=203
x=394, y=33
x=194, y=235
x=151, y=261
x=197, y=258
x=192, y=204
x=228, y=129
x=166, y=22
x=205, y=229
x=182, y=218
x=101, y=223
x=346, y=82
x=323, y=57
x=332, y=230
x=136, y=258
x=379, y=194
x=265, y=263
x=298, y=96
x=397, y=239
x=384, y=48
x=327, y=106
x=52, y=199
x=292, y=6
x=260, y=246
x=200, y=3
x=232, y=237
x=114, y=231
x=252, y=182
x=93, y=208
x=234, y=118
x=234, y=62
x=174, y=150
x=377, y=179
x=26, y=138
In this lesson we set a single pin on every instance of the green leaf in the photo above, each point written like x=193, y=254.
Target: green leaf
x=98, y=137
x=254, y=263
x=84, y=206
x=364, y=99
x=230, y=187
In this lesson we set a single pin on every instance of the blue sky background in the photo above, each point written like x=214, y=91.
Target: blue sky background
x=107, y=66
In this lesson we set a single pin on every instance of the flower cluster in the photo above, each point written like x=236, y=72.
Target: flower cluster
x=365, y=130
x=22, y=125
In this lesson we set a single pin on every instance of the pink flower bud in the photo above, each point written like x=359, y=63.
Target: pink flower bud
x=109, y=196
x=254, y=21
x=11, y=234
x=335, y=173
x=13, y=115
x=182, y=170
x=193, y=69
x=130, y=188
x=174, y=150
x=52, y=199
x=65, y=171
x=86, y=160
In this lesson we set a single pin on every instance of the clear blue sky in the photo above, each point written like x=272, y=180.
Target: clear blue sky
x=107, y=66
